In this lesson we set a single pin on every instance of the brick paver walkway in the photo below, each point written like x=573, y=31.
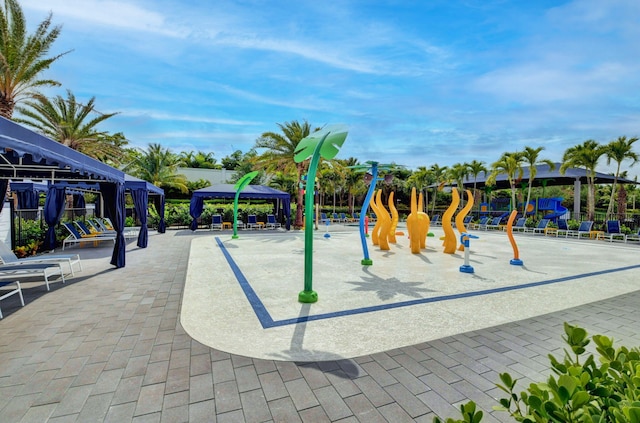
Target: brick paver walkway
x=108, y=346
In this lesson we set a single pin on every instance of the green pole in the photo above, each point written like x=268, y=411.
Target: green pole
x=309, y=295
x=242, y=182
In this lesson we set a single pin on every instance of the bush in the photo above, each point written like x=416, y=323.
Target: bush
x=582, y=389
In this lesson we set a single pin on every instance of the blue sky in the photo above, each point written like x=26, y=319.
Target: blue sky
x=417, y=82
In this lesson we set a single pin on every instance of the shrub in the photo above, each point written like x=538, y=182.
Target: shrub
x=582, y=390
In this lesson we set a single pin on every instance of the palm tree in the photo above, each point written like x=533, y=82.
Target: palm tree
x=23, y=57
x=354, y=183
x=458, y=173
x=585, y=155
x=511, y=165
x=199, y=160
x=475, y=167
x=440, y=176
x=421, y=179
x=67, y=121
x=619, y=150
x=280, y=149
x=530, y=156
x=158, y=166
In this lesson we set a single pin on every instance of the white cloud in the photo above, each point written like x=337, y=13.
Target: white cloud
x=170, y=117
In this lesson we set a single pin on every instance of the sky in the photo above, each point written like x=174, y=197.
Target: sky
x=417, y=82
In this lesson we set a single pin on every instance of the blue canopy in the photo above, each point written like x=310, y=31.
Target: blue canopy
x=25, y=154
x=250, y=191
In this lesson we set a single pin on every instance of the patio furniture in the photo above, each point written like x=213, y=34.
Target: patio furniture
x=8, y=257
x=46, y=270
x=583, y=230
x=563, y=228
x=76, y=238
x=10, y=292
x=271, y=222
x=614, y=233
x=216, y=222
x=540, y=227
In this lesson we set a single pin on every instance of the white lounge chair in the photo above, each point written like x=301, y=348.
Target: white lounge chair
x=8, y=257
x=7, y=293
x=46, y=270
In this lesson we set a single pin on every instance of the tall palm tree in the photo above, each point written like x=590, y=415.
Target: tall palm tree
x=585, y=155
x=158, y=166
x=23, y=57
x=475, y=167
x=619, y=150
x=199, y=160
x=280, y=149
x=459, y=173
x=511, y=165
x=530, y=156
x=421, y=178
x=67, y=121
x=354, y=183
x=440, y=175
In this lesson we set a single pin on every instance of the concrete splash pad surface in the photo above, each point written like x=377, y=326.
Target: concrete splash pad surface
x=241, y=295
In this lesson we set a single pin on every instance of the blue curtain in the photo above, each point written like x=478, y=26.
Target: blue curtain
x=140, y=203
x=158, y=201
x=114, y=209
x=53, y=209
x=286, y=205
x=27, y=199
x=195, y=210
x=79, y=204
x=3, y=191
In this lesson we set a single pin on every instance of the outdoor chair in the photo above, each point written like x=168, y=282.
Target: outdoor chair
x=97, y=227
x=344, y=218
x=583, y=229
x=252, y=222
x=435, y=221
x=356, y=217
x=494, y=224
x=8, y=258
x=539, y=228
x=323, y=218
x=216, y=222
x=563, y=228
x=271, y=222
x=7, y=293
x=46, y=270
x=335, y=217
x=76, y=238
x=520, y=225
x=613, y=232
x=481, y=225
x=633, y=237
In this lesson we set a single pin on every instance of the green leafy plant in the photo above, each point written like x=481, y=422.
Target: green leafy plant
x=580, y=390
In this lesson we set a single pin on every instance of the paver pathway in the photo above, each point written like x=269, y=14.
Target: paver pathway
x=108, y=346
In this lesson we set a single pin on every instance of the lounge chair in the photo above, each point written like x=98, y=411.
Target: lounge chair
x=216, y=222
x=583, y=229
x=46, y=270
x=520, y=225
x=335, y=217
x=356, y=217
x=6, y=294
x=344, y=218
x=494, y=224
x=563, y=228
x=8, y=257
x=539, y=228
x=481, y=225
x=633, y=237
x=436, y=221
x=98, y=227
x=252, y=222
x=323, y=218
x=271, y=222
x=76, y=238
x=613, y=232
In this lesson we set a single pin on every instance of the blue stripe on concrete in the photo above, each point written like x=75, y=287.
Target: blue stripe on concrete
x=261, y=311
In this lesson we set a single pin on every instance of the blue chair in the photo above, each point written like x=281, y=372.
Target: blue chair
x=76, y=238
x=563, y=227
x=216, y=222
x=252, y=222
x=272, y=223
x=584, y=229
x=614, y=233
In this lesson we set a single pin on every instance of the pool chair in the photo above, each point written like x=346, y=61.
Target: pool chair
x=584, y=229
x=633, y=237
x=344, y=218
x=481, y=225
x=335, y=217
x=324, y=218
x=520, y=225
x=252, y=222
x=494, y=224
x=76, y=237
x=9, y=258
x=97, y=227
x=614, y=233
x=563, y=228
x=539, y=228
x=356, y=217
x=45, y=270
x=271, y=222
x=436, y=220
x=12, y=291
x=216, y=222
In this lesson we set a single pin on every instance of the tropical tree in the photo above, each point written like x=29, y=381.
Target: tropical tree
x=619, y=150
x=511, y=165
x=530, y=157
x=23, y=57
x=199, y=160
x=585, y=155
x=475, y=167
x=68, y=121
x=279, y=153
x=158, y=165
x=440, y=175
x=421, y=178
x=354, y=183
